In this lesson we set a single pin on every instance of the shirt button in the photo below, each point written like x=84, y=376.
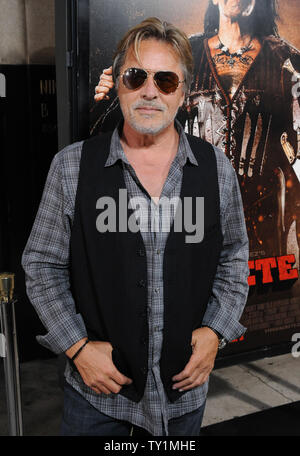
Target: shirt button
x=158, y=252
x=156, y=290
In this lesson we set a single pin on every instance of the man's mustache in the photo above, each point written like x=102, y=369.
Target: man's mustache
x=149, y=104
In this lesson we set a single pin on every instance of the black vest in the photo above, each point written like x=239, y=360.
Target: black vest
x=109, y=270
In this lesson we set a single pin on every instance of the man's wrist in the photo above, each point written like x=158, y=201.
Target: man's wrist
x=222, y=340
x=74, y=348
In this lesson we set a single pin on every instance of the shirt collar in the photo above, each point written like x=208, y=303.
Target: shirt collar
x=117, y=153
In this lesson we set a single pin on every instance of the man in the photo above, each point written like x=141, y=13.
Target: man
x=140, y=313
x=242, y=101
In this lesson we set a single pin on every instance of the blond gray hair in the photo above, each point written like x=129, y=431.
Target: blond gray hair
x=154, y=28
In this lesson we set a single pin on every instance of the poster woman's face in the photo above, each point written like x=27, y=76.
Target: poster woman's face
x=235, y=8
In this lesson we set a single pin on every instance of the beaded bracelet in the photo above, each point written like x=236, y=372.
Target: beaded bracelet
x=79, y=350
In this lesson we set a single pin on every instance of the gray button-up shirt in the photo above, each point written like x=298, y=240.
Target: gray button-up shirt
x=46, y=260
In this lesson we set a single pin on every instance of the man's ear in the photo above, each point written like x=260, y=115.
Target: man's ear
x=116, y=82
x=184, y=96
x=249, y=10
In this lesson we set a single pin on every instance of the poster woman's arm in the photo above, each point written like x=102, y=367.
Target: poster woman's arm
x=104, y=85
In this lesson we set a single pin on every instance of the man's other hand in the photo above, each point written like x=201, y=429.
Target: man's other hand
x=97, y=369
x=196, y=372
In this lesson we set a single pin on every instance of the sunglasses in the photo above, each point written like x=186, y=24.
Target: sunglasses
x=166, y=81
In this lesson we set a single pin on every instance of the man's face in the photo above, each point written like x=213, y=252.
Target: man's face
x=232, y=8
x=147, y=110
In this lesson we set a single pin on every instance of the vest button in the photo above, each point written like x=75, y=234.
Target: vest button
x=142, y=283
x=144, y=370
x=141, y=253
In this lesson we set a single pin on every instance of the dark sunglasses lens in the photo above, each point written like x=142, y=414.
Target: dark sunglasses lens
x=134, y=78
x=167, y=81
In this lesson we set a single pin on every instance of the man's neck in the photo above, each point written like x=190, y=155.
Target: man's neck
x=151, y=156
x=150, y=145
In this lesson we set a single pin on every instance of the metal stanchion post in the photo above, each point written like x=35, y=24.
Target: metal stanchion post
x=9, y=353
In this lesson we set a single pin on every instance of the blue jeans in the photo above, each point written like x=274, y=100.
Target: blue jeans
x=81, y=418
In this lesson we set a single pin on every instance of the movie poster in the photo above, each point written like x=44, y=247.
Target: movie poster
x=247, y=104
